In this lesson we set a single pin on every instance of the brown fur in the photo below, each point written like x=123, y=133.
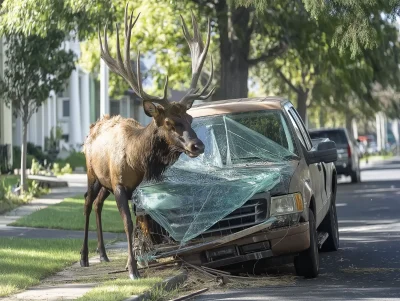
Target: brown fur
x=121, y=153
x=130, y=148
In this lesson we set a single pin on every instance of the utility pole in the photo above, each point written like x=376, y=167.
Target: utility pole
x=104, y=98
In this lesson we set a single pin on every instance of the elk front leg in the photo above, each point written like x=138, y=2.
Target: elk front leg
x=98, y=207
x=122, y=199
x=93, y=191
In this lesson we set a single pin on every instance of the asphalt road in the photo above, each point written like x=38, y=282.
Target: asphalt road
x=367, y=265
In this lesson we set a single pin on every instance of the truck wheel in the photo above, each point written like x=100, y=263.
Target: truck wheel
x=355, y=175
x=330, y=225
x=307, y=262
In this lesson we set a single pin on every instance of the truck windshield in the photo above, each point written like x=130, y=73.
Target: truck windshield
x=246, y=137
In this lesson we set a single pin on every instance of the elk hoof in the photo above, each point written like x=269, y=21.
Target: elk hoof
x=84, y=263
x=104, y=258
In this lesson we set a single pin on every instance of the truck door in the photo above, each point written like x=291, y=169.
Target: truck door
x=316, y=179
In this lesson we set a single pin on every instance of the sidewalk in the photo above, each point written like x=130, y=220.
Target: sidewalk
x=51, y=290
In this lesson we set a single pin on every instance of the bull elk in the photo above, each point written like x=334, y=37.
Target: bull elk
x=120, y=153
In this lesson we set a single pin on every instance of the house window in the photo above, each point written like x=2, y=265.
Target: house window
x=65, y=108
x=114, y=108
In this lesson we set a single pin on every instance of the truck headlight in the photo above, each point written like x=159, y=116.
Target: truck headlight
x=286, y=204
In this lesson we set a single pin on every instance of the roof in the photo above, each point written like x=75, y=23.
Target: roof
x=236, y=105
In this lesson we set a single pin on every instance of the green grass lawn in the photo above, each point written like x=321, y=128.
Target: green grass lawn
x=9, y=180
x=69, y=215
x=24, y=262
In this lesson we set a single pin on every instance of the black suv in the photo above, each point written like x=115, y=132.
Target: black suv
x=348, y=162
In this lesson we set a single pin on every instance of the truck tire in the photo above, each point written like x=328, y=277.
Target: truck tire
x=307, y=262
x=355, y=175
x=330, y=225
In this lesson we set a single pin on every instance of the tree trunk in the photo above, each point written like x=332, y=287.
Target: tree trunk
x=234, y=38
x=349, y=125
x=302, y=105
x=24, y=151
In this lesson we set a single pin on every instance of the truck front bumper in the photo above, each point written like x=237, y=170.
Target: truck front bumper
x=250, y=244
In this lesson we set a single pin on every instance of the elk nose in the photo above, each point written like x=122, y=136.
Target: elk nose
x=196, y=147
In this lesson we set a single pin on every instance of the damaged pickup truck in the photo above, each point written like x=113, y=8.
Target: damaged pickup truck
x=261, y=189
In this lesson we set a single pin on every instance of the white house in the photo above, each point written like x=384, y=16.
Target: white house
x=5, y=124
x=82, y=102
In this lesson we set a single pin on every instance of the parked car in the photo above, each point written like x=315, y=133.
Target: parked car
x=372, y=148
x=348, y=162
x=263, y=188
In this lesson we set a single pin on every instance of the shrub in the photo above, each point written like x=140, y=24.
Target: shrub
x=35, y=167
x=75, y=159
x=9, y=199
x=16, y=157
x=33, y=153
x=56, y=169
x=36, y=152
x=4, y=189
x=66, y=169
x=34, y=190
x=61, y=171
x=29, y=159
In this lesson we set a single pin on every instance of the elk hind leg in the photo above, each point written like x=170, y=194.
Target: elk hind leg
x=98, y=207
x=90, y=196
x=122, y=199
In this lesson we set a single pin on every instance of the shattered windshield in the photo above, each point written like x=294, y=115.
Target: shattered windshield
x=249, y=137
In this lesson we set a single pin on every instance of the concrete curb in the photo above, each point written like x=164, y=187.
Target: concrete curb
x=168, y=285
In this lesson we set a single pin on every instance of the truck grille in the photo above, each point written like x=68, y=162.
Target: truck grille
x=251, y=213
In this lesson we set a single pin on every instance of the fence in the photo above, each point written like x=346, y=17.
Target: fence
x=5, y=156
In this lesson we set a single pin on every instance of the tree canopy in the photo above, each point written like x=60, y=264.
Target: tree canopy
x=318, y=53
x=31, y=17
x=353, y=19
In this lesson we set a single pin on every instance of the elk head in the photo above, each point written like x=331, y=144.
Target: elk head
x=170, y=117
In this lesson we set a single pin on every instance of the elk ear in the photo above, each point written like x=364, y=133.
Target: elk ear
x=150, y=109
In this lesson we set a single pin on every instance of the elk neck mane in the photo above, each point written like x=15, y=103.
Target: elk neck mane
x=147, y=148
x=156, y=153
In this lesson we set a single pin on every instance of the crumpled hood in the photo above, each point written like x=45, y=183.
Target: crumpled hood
x=188, y=203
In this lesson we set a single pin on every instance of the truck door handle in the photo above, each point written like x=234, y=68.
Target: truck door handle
x=319, y=166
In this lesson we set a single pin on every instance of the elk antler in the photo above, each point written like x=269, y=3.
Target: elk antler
x=124, y=68
x=198, y=53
